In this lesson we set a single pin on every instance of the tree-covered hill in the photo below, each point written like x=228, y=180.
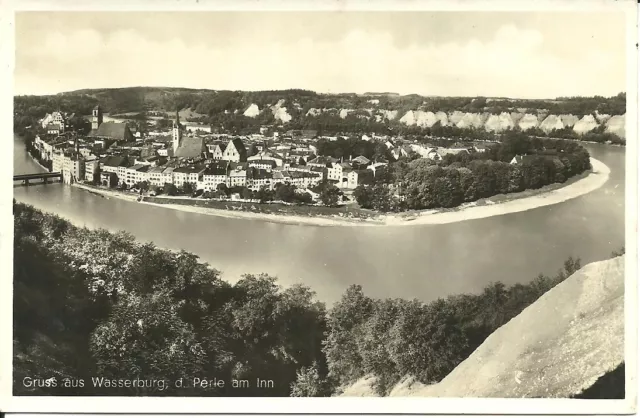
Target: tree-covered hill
x=212, y=102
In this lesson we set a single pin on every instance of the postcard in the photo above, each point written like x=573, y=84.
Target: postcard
x=278, y=207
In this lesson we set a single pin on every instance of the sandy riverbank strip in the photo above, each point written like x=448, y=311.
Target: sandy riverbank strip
x=107, y=193
x=594, y=180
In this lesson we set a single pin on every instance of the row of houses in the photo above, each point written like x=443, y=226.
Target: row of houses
x=205, y=176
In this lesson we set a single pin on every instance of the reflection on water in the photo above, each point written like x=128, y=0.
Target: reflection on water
x=424, y=262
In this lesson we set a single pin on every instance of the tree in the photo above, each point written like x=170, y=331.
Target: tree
x=145, y=338
x=344, y=326
x=80, y=125
x=304, y=198
x=329, y=194
x=170, y=189
x=142, y=186
x=363, y=196
x=246, y=193
x=435, y=336
x=223, y=189
x=285, y=192
x=164, y=123
x=264, y=195
x=189, y=188
x=309, y=383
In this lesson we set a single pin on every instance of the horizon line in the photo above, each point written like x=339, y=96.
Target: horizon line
x=368, y=93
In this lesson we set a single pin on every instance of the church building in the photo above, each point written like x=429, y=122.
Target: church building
x=187, y=147
x=113, y=131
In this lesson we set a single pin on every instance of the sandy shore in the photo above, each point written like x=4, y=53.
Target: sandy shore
x=107, y=193
x=596, y=179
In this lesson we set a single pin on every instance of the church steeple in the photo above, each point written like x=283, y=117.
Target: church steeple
x=176, y=133
x=96, y=120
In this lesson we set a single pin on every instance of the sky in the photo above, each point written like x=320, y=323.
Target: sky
x=446, y=53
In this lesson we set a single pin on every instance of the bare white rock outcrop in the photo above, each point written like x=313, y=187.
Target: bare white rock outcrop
x=442, y=118
x=550, y=123
x=528, y=121
x=455, y=117
x=473, y=120
x=280, y=112
x=569, y=121
x=252, y=111
x=587, y=124
x=615, y=125
x=516, y=116
x=408, y=118
x=499, y=123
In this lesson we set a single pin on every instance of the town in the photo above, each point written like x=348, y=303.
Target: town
x=179, y=160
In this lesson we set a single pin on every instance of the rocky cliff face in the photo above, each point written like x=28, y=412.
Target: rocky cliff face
x=252, y=111
x=615, y=125
x=557, y=347
x=587, y=124
x=528, y=121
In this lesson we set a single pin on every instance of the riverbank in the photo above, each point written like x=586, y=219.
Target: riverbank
x=595, y=179
x=484, y=208
x=35, y=160
x=108, y=193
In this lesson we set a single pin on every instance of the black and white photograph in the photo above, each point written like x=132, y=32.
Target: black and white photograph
x=335, y=203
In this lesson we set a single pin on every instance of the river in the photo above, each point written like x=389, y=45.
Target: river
x=423, y=262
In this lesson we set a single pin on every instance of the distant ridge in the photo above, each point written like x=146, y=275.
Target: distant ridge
x=380, y=94
x=374, y=111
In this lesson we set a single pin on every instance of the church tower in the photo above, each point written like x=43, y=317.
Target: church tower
x=96, y=120
x=176, y=133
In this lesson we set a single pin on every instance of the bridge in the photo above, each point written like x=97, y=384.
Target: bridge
x=26, y=178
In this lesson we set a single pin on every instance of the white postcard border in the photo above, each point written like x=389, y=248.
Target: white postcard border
x=9, y=403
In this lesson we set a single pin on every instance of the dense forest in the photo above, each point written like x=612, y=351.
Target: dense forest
x=224, y=109
x=425, y=184
x=93, y=303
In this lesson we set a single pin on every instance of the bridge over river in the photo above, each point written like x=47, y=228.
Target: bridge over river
x=44, y=177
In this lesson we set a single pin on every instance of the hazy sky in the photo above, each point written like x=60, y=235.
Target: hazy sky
x=529, y=55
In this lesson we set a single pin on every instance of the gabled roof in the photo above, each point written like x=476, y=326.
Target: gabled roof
x=258, y=173
x=323, y=160
x=237, y=173
x=190, y=148
x=216, y=170
x=140, y=167
x=189, y=169
x=220, y=145
x=156, y=169
x=238, y=166
x=113, y=130
x=115, y=161
x=362, y=159
x=239, y=145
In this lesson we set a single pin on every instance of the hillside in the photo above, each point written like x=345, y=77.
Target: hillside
x=557, y=347
x=303, y=109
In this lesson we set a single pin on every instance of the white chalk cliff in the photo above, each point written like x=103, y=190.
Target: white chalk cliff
x=252, y=111
x=555, y=348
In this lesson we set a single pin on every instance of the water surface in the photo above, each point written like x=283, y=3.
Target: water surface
x=423, y=261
